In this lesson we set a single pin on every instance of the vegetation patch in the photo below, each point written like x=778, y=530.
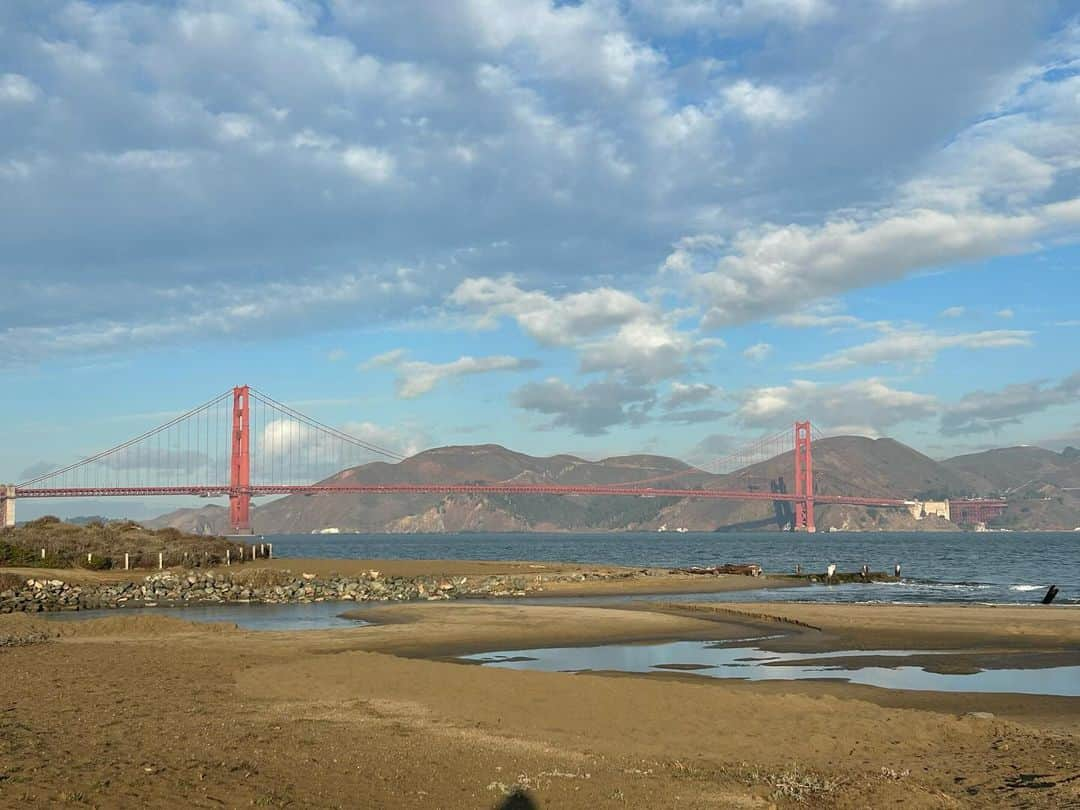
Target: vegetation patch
x=48, y=542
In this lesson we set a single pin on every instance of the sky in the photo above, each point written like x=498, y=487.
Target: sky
x=597, y=227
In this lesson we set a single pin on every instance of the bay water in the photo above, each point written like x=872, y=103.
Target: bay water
x=983, y=567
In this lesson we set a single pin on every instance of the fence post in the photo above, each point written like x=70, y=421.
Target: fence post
x=228, y=556
x=127, y=562
x=270, y=551
x=160, y=560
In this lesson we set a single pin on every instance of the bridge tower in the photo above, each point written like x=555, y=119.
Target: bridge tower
x=804, y=478
x=240, y=462
x=7, y=506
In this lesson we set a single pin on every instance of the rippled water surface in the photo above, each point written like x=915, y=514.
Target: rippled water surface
x=994, y=567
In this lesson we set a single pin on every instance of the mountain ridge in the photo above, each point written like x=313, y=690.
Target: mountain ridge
x=847, y=465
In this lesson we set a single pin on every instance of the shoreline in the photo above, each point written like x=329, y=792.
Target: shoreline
x=299, y=580
x=316, y=718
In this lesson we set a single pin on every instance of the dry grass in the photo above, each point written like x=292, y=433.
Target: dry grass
x=262, y=577
x=103, y=545
x=11, y=582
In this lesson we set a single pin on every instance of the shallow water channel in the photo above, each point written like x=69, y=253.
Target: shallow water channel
x=727, y=659
x=297, y=616
x=734, y=658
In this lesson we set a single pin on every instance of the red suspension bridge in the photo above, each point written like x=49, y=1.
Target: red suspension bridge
x=244, y=444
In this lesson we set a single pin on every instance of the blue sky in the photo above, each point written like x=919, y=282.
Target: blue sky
x=597, y=227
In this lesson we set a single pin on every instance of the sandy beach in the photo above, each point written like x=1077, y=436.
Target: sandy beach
x=136, y=711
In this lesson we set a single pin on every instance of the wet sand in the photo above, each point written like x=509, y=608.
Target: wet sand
x=136, y=711
x=924, y=627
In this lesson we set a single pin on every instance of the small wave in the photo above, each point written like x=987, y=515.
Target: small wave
x=1026, y=587
x=971, y=586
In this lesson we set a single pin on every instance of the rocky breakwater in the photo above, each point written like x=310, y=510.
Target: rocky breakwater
x=260, y=586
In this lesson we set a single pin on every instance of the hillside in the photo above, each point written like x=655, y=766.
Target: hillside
x=849, y=465
x=1043, y=487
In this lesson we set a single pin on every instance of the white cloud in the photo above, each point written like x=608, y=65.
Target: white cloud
x=417, y=377
x=369, y=164
x=867, y=403
x=549, y=320
x=985, y=411
x=612, y=330
x=250, y=309
x=757, y=352
x=953, y=312
x=17, y=89
x=645, y=349
x=1007, y=314
x=764, y=104
x=733, y=16
x=917, y=347
x=775, y=269
x=407, y=441
x=811, y=320
x=683, y=394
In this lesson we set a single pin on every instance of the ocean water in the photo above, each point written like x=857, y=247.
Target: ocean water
x=984, y=567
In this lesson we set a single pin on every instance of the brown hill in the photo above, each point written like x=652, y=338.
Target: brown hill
x=1042, y=487
x=844, y=465
x=1010, y=469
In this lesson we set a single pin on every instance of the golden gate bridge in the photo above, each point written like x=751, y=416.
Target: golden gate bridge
x=244, y=444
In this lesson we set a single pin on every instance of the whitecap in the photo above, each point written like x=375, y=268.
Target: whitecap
x=1026, y=587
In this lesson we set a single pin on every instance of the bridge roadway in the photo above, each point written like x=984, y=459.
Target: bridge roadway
x=215, y=491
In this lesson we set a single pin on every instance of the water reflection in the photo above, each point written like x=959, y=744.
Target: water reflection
x=309, y=616
x=721, y=660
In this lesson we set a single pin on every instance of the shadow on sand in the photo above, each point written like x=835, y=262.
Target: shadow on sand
x=518, y=800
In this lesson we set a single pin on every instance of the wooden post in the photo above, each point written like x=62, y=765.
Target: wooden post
x=270, y=551
x=160, y=560
x=127, y=562
x=228, y=556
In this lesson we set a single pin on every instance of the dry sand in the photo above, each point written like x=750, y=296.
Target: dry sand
x=136, y=711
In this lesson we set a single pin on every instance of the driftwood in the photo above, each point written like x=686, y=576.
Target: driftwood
x=747, y=569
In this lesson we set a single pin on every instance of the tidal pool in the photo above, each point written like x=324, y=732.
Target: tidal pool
x=299, y=616
x=723, y=660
